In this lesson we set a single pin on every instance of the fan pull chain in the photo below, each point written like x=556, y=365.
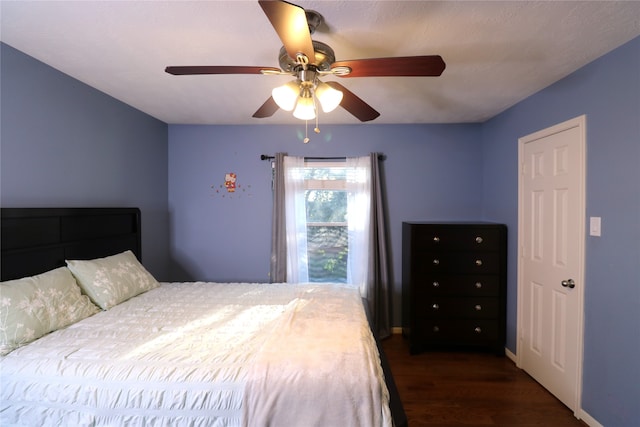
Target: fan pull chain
x=306, y=122
x=306, y=132
x=315, y=107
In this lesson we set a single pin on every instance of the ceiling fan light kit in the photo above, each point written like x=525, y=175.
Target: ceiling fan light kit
x=305, y=108
x=302, y=93
x=329, y=97
x=286, y=95
x=308, y=59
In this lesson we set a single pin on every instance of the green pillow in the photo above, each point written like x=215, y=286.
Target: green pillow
x=111, y=280
x=34, y=306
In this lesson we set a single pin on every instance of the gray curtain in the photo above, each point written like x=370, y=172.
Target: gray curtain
x=379, y=276
x=278, y=271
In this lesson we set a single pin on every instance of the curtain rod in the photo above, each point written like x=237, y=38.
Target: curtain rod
x=267, y=157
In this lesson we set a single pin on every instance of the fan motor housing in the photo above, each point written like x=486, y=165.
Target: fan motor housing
x=324, y=57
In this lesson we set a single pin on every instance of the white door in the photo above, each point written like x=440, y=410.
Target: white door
x=551, y=224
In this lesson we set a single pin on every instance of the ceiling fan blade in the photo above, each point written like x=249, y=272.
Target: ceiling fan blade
x=430, y=65
x=217, y=69
x=356, y=106
x=290, y=22
x=267, y=109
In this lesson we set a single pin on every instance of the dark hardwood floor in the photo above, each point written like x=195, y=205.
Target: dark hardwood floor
x=463, y=389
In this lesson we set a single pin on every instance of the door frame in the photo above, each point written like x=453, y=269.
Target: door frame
x=580, y=123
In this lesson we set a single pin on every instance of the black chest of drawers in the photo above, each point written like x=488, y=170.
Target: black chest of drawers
x=454, y=285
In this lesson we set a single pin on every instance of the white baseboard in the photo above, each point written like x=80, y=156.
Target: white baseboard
x=588, y=419
x=510, y=355
x=396, y=330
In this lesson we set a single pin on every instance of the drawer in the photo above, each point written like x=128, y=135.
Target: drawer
x=454, y=285
x=460, y=263
x=456, y=238
x=457, y=307
x=455, y=331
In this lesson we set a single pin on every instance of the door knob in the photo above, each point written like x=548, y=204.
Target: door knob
x=568, y=283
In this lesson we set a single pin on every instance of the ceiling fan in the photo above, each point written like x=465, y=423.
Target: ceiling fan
x=308, y=60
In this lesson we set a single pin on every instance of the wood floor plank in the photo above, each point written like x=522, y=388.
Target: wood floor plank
x=466, y=389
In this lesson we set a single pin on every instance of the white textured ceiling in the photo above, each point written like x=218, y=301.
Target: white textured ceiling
x=497, y=52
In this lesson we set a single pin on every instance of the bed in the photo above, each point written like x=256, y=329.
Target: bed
x=119, y=348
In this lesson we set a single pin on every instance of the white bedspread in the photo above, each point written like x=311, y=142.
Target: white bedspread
x=205, y=354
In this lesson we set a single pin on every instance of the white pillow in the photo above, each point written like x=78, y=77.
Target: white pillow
x=32, y=307
x=111, y=280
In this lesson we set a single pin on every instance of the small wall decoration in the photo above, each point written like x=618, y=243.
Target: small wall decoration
x=230, y=182
x=231, y=187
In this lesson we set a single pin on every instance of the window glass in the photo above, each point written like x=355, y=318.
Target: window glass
x=327, y=233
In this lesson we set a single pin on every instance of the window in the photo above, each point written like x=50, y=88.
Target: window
x=327, y=215
x=325, y=199
x=328, y=225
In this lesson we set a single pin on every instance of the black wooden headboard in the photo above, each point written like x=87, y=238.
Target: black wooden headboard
x=35, y=240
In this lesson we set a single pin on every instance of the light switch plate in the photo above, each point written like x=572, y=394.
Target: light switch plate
x=595, y=224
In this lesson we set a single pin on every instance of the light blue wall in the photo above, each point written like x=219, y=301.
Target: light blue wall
x=65, y=144
x=608, y=92
x=432, y=172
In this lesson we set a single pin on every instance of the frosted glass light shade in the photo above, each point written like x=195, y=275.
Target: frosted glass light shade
x=329, y=97
x=286, y=95
x=305, y=109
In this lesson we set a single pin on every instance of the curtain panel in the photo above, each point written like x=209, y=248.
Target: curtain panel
x=379, y=276
x=358, y=188
x=295, y=220
x=278, y=268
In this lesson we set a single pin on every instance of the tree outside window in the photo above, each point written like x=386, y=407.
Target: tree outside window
x=327, y=231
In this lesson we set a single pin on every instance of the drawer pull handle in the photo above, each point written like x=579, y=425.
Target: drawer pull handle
x=436, y=329
x=478, y=330
x=478, y=239
x=436, y=261
x=436, y=239
x=478, y=285
x=436, y=284
x=478, y=307
x=435, y=306
x=478, y=262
